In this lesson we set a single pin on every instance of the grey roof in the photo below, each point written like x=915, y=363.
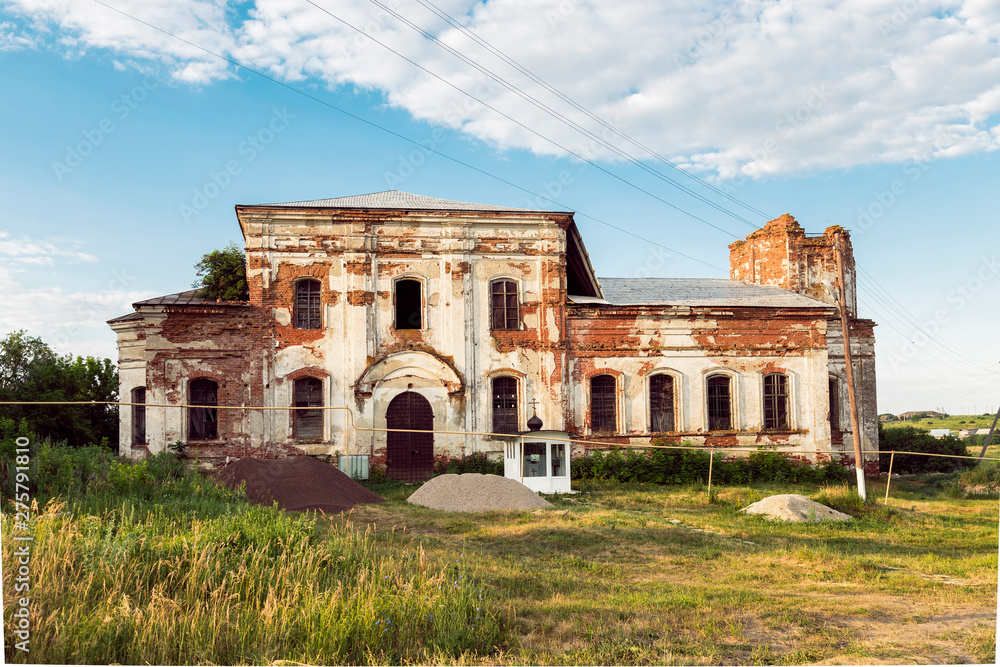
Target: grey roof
x=188, y=298
x=696, y=292
x=128, y=317
x=394, y=199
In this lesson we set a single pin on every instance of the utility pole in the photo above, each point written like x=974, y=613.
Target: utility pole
x=989, y=436
x=859, y=464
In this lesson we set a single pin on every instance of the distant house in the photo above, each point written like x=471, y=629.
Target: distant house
x=887, y=418
x=982, y=431
x=923, y=414
x=941, y=433
x=966, y=432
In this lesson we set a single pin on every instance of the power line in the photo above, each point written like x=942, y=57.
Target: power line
x=500, y=54
x=520, y=124
x=398, y=135
x=556, y=114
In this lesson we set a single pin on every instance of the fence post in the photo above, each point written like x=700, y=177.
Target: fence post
x=710, y=459
x=892, y=457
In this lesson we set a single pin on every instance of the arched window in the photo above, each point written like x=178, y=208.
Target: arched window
x=505, y=411
x=661, y=403
x=504, y=307
x=308, y=424
x=308, y=311
x=409, y=305
x=720, y=404
x=139, y=416
x=203, y=421
x=775, y=401
x=603, y=404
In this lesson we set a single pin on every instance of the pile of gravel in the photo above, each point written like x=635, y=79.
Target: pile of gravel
x=474, y=492
x=297, y=483
x=793, y=507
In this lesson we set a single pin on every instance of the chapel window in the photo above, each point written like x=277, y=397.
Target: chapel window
x=603, y=404
x=504, y=308
x=775, y=401
x=834, y=405
x=308, y=424
x=720, y=409
x=139, y=416
x=505, y=405
x=307, y=305
x=661, y=403
x=203, y=416
x=409, y=304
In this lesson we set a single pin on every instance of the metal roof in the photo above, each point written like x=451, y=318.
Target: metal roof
x=695, y=292
x=188, y=298
x=395, y=199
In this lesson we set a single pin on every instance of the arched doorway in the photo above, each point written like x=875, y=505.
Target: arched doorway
x=409, y=454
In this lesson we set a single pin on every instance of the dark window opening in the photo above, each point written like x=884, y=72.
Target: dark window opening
x=307, y=305
x=308, y=424
x=203, y=421
x=504, y=305
x=661, y=403
x=720, y=410
x=603, y=413
x=408, y=304
x=775, y=401
x=505, y=405
x=834, y=405
x=139, y=416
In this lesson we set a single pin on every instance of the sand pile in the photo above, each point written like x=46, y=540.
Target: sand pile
x=473, y=492
x=792, y=507
x=298, y=483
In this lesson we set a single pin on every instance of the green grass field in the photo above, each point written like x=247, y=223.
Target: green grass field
x=954, y=422
x=177, y=571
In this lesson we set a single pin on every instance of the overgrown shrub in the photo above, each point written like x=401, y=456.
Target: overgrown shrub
x=984, y=479
x=909, y=439
x=477, y=462
x=686, y=466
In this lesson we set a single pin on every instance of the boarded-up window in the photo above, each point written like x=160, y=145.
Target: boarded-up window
x=775, y=401
x=408, y=305
x=139, y=416
x=720, y=410
x=661, y=403
x=603, y=413
x=203, y=421
x=505, y=405
x=308, y=424
x=307, y=305
x=504, y=305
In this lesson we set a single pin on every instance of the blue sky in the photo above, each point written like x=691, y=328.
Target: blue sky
x=125, y=149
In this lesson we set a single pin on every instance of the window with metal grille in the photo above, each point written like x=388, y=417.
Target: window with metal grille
x=308, y=424
x=408, y=304
x=720, y=408
x=504, y=305
x=307, y=305
x=834, y=405
x=661, y=403
x=603, y=412
x=776, y=401
x=139, y=416
x=203, y=421
x=505, y=405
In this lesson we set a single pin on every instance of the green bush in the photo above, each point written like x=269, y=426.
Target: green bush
x=984, y=479
x=686, y=466
x=477, y=462
x=909, y=439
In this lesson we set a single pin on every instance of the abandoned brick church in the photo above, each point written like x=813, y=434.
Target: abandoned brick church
x=407, y=312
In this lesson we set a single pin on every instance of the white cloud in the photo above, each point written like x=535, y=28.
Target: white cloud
x=750, y=87
x=10, y=40
x=26, y=250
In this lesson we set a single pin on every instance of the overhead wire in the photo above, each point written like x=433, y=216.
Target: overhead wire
x=400, y=136
x=569, y=122
x=555, y=91
x=487, y=105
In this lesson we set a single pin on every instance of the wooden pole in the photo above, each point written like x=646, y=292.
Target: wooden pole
x=710, y=459
x=892, y=457
x=989, y=436
x=859, y=464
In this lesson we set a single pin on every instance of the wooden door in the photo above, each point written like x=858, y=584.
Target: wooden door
x=410, y=454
